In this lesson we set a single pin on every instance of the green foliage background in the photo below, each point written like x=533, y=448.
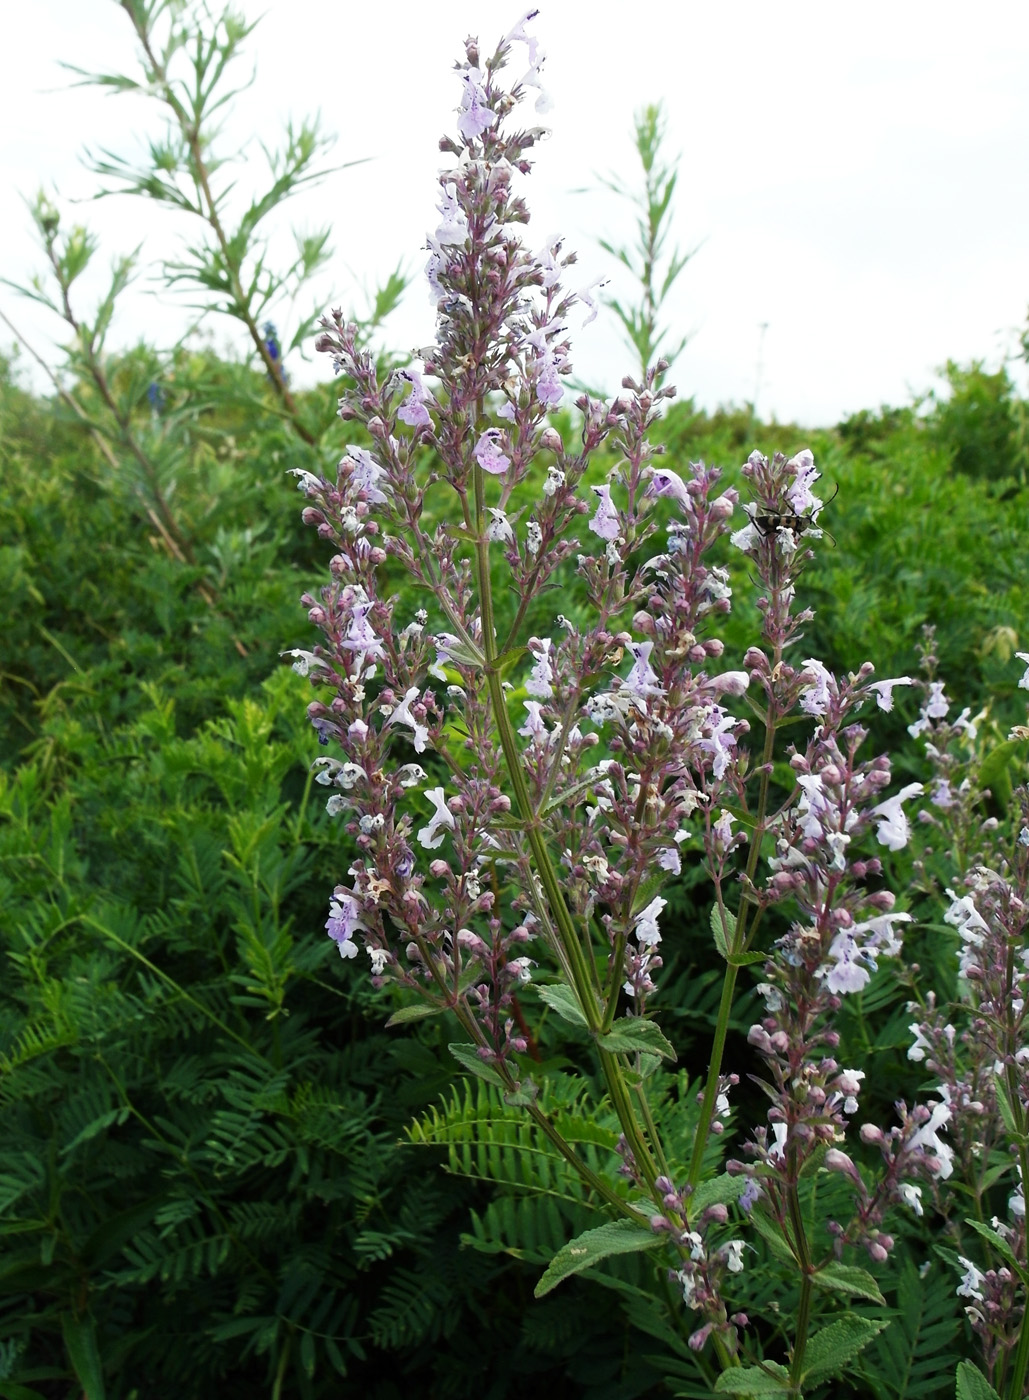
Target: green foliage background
x=206, y=1181
x=219, y=1173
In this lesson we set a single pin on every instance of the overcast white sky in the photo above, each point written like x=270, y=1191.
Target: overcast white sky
x=857, y=175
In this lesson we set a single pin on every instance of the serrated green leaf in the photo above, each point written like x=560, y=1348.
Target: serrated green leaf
x=720, y=1190
x=773, y=1237
x=419, y=1012
x=971, y=1384
x=632, y=1034
x=1000, y=1244
x=831, y=1348
x=614, y=1237
x=769, y=1379
x=524, y=1096
x=467, y=1056
x=745, y=959
x=560, y=998
x=723, y=933
x=849, y=1280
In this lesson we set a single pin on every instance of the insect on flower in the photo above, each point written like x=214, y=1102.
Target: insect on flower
x=773, y=520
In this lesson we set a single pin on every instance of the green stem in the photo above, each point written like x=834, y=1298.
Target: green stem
x=803, y=1254
x=578, y=965
x=1020, y=1365
x=737, y=945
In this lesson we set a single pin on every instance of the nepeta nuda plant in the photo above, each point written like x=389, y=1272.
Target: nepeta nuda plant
x=978, y=1048
x=575, y=756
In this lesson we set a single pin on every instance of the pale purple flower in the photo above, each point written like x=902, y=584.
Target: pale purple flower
x=665, y=483
x=668, y=859
x=474, y=115
x=750, y=1194
x=402, y=715
x=549, y=389
x=360, y=637
x=894, y=829
x=884, y=691
x=605, y=522
x=802, y=502
x=648, y=935
x=489, y=453
x=440, y=822
x=942, y=795
x=413, y=411
x=845, y=972
x=453, y=228
x=719, y=742
x=366, y=474
x=934, y=707
x=722, y=828
x=344, y=921
x=642, y=680
x=816, y=696
x=730, y=683
x=542, y=673
x=534, y=728
x=926, y=1138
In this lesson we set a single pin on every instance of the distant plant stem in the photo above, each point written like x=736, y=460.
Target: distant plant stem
x=241, y=303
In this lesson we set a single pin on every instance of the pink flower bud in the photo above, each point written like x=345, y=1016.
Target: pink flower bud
x=550, y=439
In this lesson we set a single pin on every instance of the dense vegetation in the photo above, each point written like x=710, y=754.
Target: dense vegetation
x=219, y=1173
x=205, y=1180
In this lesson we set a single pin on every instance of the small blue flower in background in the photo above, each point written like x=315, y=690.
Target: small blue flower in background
x=156, y=395
x=274, y=349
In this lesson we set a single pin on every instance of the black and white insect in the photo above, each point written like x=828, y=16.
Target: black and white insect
x=773, y=520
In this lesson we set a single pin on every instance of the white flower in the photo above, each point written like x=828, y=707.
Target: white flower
x=499, y=530
x=605, y=521
x=648, y=935
x=542, y=673
x=894, y=829
x=402, y=715
x=971, y=1284
x=1023, y=684
x=911, y=1196
x=884, y=691
x=921, y=1045
x=304, y=661
x=442, y=820
x=777, y=1152
x=926, y=1138
x=379, y=958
